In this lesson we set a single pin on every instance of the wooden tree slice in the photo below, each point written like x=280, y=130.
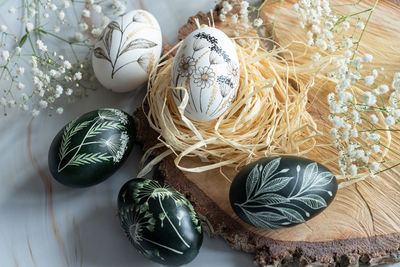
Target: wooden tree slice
x=362, y=225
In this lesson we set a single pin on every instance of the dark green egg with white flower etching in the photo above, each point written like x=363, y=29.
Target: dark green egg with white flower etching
x=92, y=147
x=281, y=191
x=159, y=222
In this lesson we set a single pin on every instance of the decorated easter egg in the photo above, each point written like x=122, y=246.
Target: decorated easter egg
x=126, y=51
x=281, y=191
x=92, y=147
x=207, y=66
x=159, y=222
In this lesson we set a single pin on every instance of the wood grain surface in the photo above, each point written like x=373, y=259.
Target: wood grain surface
x=362, y=225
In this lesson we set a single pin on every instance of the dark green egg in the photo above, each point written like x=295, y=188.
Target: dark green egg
x=159, y=221
x=281, y=191
x=92, y=147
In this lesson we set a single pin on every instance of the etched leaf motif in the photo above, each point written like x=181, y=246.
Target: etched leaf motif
x=104, y=126
x=108, y=40
x=138, y=44
x=292, y=215
x=99, y=53
x=144, y=61
x=276, y=184
x=269, y=169
x=114, y=25
x=323, y=179
x=313, y=201
x=252, y=180
x=89, y=158
x=270, y=198
x=309, y=175
x=69, y=132
x=264, y=219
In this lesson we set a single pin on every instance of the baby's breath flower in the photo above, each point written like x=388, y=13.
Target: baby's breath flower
x=83, y=26
x=78, y=36
x=60, y=110
x=389, y=121
x=29, y=26
x=369, y=99
x=369, y=80
x=97, y=8
x=41, y=46
x=367, y=58
x=3, y=28
x=5, y=55
x=360, y=25
x=258, y=22
x=12, y=10
x=61, y=15
x=86, y=13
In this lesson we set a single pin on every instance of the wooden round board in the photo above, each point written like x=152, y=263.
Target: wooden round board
x=362, y=225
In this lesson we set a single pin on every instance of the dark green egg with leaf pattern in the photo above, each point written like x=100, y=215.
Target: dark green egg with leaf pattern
x=281, y=191
x=159, y=221
x=92, y=147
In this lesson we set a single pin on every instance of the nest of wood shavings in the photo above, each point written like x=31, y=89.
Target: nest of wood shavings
x=267, y=117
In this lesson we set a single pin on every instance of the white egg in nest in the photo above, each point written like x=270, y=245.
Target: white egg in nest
x=207, y=65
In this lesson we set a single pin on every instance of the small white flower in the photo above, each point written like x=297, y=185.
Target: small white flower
x=46, y=15
x=348, y=53
x=29, y=26
x=5, y=55
x=24, y=97
x=86, y=13
x=374, y=166
x=354, y=132
x=353, y=170
x=43, y=104
x=316, y=57
x=258, y=22
x=369, y=99
x=69, y=91
x=382, y=89
x=331, y=98
x=24, y=107
x=355, y=116
x=18, y=50
x=53, y=7
x=20, y=70
x=345, y=25
x=3, y=28
x=59, y=90
x=367, y=58
x=35, y=112
x=376, y=149
x=244, y=4
x=78, y=76
x=60, y=110
x=78, y=36
x=360, y=25
x=96, y=32
x=321, y=44
x=222, y=17
x=235, y=18
x=334, y=133
x=97, y=8
x=12, y=10
x=56, y=29
x=61, y=15
x=369, y=80
x=374, y=137
x=83, y=26
x=41, y=46
x=374, y=118
x=65, y=4
x=389, y=120
x=348, y=43
x=20, y=86
x=67, y=64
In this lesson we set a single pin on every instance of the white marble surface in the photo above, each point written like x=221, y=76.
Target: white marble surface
x=45, y=224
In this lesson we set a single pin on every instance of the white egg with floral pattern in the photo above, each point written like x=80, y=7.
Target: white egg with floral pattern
x=207, y=66
x=127, y=50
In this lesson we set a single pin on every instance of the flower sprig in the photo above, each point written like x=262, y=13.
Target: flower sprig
x=56, y=76
x=364, y=103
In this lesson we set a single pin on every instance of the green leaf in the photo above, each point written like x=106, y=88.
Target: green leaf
x=313, y=201
x=23, y=40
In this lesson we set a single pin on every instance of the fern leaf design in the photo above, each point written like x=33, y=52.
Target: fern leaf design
x=69, y=132
x=89, y=158
x=104, y=126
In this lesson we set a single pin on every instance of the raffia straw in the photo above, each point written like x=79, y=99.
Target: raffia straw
x=268, y=116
